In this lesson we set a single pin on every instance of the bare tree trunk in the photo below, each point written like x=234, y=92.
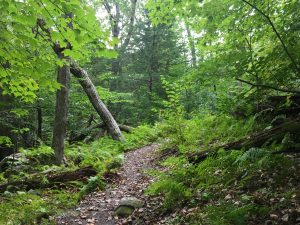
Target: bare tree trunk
x=89, y=89
x=99, y=106
x=39, y=121
x=130, y=26
x=191, y=44
x=115, y=20
x=61, y=114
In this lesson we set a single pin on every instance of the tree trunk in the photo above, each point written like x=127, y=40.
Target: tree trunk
x=102, y=130
x=255, y=140
x=115, y=20
x=94, y=98
x=191, y=44
x=130, y=26
x=39, y=121
x=62, y=100
x=36, y=180
x=61, y=113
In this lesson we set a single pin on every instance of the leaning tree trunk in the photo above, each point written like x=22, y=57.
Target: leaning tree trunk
x=61, y=113
x=99, y=106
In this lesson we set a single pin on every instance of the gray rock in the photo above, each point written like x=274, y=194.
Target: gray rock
x=127, y=205
x=17, y=159
x=33, y=192
x=131, y=201
x=124, y=211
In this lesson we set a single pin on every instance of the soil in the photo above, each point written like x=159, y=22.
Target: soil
x=130, y=181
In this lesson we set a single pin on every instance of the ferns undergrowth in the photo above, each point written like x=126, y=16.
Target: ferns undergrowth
x=36, y=206
x=230, y=187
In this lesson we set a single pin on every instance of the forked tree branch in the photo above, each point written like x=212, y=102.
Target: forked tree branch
x=268, y=86
x=296, y=67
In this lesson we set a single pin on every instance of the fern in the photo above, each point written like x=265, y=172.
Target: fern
x=252, y=155
x=93, y=183
x=174, y=192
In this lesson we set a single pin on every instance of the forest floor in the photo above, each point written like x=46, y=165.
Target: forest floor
x=130, y=181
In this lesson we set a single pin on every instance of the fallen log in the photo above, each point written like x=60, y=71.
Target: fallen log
x=91, y=91
x=122, y=127
x=125, y=128
x=87, y=132
x=254, y=140
x=49, y=179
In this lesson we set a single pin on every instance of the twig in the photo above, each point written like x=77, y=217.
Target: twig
x=268, y=86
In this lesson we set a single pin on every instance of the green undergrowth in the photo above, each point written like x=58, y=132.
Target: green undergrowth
x=34, y=207
x=231, y=187
x=37, y=206
x=203, y=132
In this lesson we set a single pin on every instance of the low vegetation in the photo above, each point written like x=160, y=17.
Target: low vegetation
x=214, y=83
x=18, y=205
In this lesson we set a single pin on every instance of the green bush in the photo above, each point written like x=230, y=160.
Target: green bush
x=204, y=132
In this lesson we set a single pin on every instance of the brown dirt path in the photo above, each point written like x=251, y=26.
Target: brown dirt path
x=98, y=207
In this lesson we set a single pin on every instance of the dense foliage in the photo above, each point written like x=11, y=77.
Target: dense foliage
x=215, y=82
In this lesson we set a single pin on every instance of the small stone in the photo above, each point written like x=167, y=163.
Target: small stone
x=83, y=216
x=227, y=197
x=282, y=200
x=90, y=220
x=141, y=210
x=7, y=193
x=32, y=192
x=273, y=216
x=217, y=172
x=237, y=203
x=285, y=218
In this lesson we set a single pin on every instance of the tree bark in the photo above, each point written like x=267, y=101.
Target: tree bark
x=254, y=140
x=115, y=19
x=61, y=113
x=36, y=180
x=98, y=105
x=39, y=121
x=130, y=26
x=102, y=130
x=191, y=44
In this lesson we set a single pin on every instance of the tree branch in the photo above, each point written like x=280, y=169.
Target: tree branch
x=277, y=34
x=268, y=86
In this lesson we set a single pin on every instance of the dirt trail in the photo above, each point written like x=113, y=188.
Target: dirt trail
x=98, y=207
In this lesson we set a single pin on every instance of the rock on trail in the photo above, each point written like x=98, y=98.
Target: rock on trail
x=127, y=191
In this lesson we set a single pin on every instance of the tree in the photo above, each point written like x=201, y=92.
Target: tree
x=250, y=41
x=119, y=21
x=38, y=32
